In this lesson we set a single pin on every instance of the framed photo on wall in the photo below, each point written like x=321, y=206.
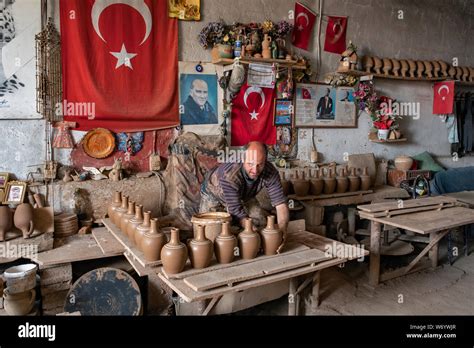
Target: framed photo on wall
x=15, y=192
x=3, y=179
x=283, y=113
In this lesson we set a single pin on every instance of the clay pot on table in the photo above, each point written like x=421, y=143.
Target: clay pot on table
x=365, y=181
x=329, y=182
x=19, y=304
x=285, y=184
x=316, y=183
x=116, y=203
x=5, y=221
x=141, y=229
x=271, y=237
x=200, y=249
x=403, y=162
x=23, y=219
x=153, y=241
x=174, y=254
x=119, y=212
x=249, y=241
x=225, y=244
x=404, y=67
x=300, y=185
x=127, y=216
x=134, y=222
x=342, y=181
x=354, y=181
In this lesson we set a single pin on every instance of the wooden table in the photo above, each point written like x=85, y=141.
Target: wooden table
x=435, y=223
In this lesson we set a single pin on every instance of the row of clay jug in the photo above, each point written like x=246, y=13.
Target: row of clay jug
x=318, y=183
x=22, y=219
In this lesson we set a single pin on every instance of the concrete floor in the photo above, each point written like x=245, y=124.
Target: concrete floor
x=447, y=290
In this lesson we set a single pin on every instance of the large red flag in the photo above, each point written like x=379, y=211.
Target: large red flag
x=120, y=64
x=443, y=99
x=336, y=35
x=303, y=28
x=252, y=116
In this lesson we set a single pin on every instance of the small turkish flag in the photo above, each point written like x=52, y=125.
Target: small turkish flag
x=336, y=35
x=443, y=99
x=305, y=93
x=303, y=28
x=252, y=116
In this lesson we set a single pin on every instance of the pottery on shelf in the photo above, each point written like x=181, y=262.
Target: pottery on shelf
x=395, y=67
x=365, y=181
x=452, y=72
x=436, y=68
x=342, y=181
x=23, y=219
x=377, y=65
x=249, y=241
x=116, y=203
x=20, y=303
x=141, y=229
x=300, y=185
x=225, y=244
x=134, y=222
x=153, y=241
x=458, y=73
x=412, y=64
x=200, y=249
x=316, y=183
x=127, y=216
x=367, y=63
x=465, y=73
x=285, y=184
x=443, y=68
x=119, y=212
x=354, y=181
x=271, y=237
x=5, y=221
x=404, y=67
x=428, y=69
x=174, y=254
x=387, y=66
x=266, y=47
x=329, y=182
x=403, y=162
x=420, y=69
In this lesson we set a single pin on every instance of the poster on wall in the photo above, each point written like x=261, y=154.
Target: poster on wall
x=20, y=21
x=200, y=98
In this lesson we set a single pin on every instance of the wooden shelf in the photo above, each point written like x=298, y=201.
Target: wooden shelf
x=282, y=62
x=389, y=141
x=359, y=73
x=354, y=73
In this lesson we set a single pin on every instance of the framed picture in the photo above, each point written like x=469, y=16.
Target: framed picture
x=320, y=105
x=286, y=141
x=15, y=192
x=2, y=195
x=3, y=179
x=283, y=113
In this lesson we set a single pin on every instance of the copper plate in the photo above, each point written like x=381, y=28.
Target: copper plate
x=99, y=143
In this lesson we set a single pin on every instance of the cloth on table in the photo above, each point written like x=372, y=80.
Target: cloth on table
x=452, y=180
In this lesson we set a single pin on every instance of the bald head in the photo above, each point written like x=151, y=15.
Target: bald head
x=255, y=158
x=199, y=92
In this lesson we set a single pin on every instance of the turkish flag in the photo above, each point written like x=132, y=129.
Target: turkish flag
x=443, y=100
x=336, y=35
x=252, y=116
x=120, y=64
x=303, y=28
x=306, y=93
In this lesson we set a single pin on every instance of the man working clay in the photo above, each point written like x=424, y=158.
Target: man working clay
x=233, y=187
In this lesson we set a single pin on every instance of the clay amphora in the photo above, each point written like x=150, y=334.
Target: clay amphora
x=225, y=244
x=354, y=181
x=300, y=185
x=141, y=229
x=365, y=180
x=134, y=222
x=119, y=212
x=127, y=216
x=249, y=241
x=200, y=249
x=284, y=184
x=316, y=183
x=116, y=203
x=174, y=254
x=153, y=241
x=271, y=237
x=19, y=304
x=342, y=181
x=329, y=182
x=5, y=221
x=23, y=219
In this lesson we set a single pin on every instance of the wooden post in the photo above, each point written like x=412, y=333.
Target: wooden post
x=433, y=253
x=292, y=297
x=315, y=290
x=374, y=268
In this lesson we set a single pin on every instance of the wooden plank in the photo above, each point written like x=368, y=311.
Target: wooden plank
x=390, y=213
x=403, y=237
x=55, y=274
x=257, y=269
x=107, y=242
x=411, y=203
x=424, y=264
x=464, y=197
x=141, y=271
x=332, y=195
x=129, y=247
x=434, y=239
x=374, y=266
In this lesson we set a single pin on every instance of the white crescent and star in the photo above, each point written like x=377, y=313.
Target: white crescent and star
x=305, y=16
x=441, y=88
x=123, y=57
x=250, y=90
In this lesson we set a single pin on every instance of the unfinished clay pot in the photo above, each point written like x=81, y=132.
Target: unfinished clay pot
x=141, y=229
x=19, y=304
x=428, y=69
x=200, y=250
x=404, y=67
x=365, y=180
x=458, y=73
x=465, y=74
x=127, y=216
x=300, y=185
x=134, y=222
x=354, y=181
x=271, y=237
x=225, y=244
x=5, y=221
x=412, y=64
x=403, y=162
x=153, y=241
x=116, y=203
x=329, y=182
x=249, y=241
x=367, y=63
x=119, y=212
x=284, y=184
x=452, y=72
x=23, y=219
x=443, y=68
x=396, y=67
x=342, y=181
x=387, y=66
x=436, y=68
x=316, y=183
x=377, y=65
x=471, y=74
x=174, y=254
x=420, y=69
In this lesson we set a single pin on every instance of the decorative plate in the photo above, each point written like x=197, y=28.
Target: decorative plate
x=99, y=143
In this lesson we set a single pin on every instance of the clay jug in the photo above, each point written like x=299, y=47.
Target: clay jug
x=153, y=241
x=266, y=43
x=20, y=303
x=387, y=66
x=23, y=219
x=271, y=237
x=377, y=65
x=342, y=181
x=443, y=68
x=141, y=229
x=412, y=65
x=420, y=68
x=365, y=180
x=367, y=63
x=5, y=221
x=396, y=67
x=200, y=249
x=225, y=244
x=127, y=216
x=316, y=183
x=134, y=222
x=284, y=184
x=174, y=254
x=119, y=212
x=354, y=181
x=428, y=69
x=404, y=68
x=116, y=203
x=329, y=182
x=436, y=68
x=249, y=241
x=300, y=185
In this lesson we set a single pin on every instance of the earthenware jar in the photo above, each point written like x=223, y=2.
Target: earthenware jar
x=153, y=241
x=387, y=66
x=5, y=221
x=452, y=72
x=271, y=237
x=119, y=212
x=354, y=181
x=443, y=68
x=19, y=304
x=116, y=203
x=396, y=67
x=412, y=65
x=225, y=244
x=23, y=219
x=329, y=182
x=367, y=63
x=249, y=241
x=285, y=184
x=403, y=162
x=365, y=181
x=342, y=181
x=300, y=185
x=420, y=68
x=428, y=69
x=436, y=68
x=404, y=68
x=127, y=216
x=316, y=183
x=200, y=249
x=174, y=254
x=134, y=222
x=141, y=229
x=377, y=65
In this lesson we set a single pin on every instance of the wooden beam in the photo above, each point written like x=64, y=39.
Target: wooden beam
x=374, y=268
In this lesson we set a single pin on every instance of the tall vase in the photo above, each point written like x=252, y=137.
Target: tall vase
x=23, y=219
x=200, y=249
x=127, y=216
x=134, y=222
x=271, y=237
x=365, y=181
x=342, y=181
x=153, y=241
x=119, y=212
x=354, y=181
x=116, y=203
x=329, y=182
x=174, y=254
x=225, y=244
x=249, y=241
x=141, y=229
x=316, y=184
